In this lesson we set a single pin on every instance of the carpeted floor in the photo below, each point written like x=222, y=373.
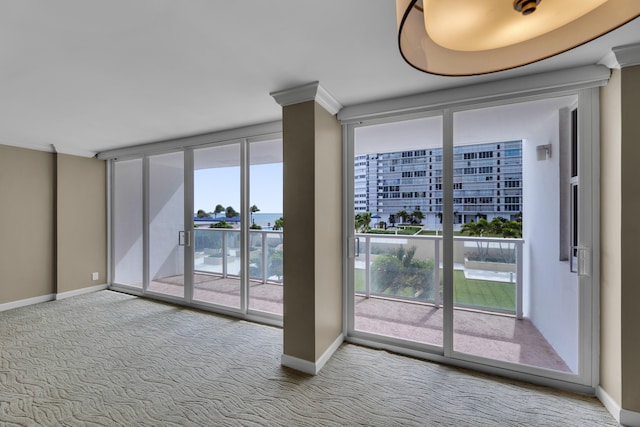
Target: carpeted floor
x=112, y=359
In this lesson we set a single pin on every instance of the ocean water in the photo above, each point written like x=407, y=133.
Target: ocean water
x=265, y=220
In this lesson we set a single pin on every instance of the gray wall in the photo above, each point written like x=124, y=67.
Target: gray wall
x=27, y=225
x=52, y=223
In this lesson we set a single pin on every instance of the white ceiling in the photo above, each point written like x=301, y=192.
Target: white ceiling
x=90, y=75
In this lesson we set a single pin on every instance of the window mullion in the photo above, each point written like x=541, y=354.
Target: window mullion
x=447, y=230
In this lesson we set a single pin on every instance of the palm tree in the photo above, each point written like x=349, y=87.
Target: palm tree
x=403, y=215
x=202, y=214
x=417, y=215
x=218, y=210
x=495, y=226
x=278, y=224
x=509, y=230
x=476, y=228
x=362, y=221
x=253, y=209
x=479, y=229
x=230, y=212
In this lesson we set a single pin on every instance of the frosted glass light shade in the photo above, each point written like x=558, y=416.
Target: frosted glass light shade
x=468, y=37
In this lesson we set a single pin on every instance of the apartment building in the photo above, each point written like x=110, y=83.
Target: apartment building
x=487, y=182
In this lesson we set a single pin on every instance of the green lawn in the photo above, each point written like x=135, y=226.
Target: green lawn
x=482, y=293
x=407, y=231
x=439, y=233
x=478, y=293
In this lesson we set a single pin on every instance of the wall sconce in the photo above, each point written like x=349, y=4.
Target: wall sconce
x=468, y=37
x=543, y=152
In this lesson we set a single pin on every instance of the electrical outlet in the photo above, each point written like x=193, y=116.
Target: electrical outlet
x=95, y=276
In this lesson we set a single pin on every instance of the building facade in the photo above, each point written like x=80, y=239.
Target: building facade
x=487, y=181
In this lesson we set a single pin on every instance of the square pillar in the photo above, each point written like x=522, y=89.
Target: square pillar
x=619, y=387
x=313, y=259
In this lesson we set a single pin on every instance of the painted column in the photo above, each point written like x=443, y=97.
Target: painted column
x=312, y=174
x=619, y=387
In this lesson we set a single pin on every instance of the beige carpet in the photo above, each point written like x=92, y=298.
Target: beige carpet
x=113, y=359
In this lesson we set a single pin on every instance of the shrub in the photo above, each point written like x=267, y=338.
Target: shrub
x=395, y=272
x=221, y=224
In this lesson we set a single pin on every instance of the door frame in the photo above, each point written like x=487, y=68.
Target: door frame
x=245, y=136
x=588, y=123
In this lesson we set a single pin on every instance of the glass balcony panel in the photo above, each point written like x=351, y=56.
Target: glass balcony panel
x=397, y=287
x=265, y=271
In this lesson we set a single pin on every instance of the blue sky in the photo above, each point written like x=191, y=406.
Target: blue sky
x=222, y=186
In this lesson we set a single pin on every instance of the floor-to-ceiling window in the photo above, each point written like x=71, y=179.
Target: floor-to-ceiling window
x=127, y=214
x=165, y=221
x=202, y=226
x=266, y=250
x=464, y=224
x=508, y=259
x=217, y=254
x=398, y=178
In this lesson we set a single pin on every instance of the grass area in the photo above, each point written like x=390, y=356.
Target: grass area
x=477, y=293
x=483, y=293
x=408, y=231
x=439, y=233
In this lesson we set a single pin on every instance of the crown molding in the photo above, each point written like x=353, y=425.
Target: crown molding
x=307, y=92
x=72, y=151
x=622, y=56
x=50, y=148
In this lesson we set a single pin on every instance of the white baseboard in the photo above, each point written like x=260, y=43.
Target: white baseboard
x=624, y=416
x=81, y=291
x=298, y=364
x=27, y=301
x=311, y=367
x=608, y=402
x=629, y=418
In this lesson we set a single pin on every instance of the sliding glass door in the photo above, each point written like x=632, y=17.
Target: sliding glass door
x=516, y=297
x=470, y=236
x=203, y=226
x=166, y=229
x=266, y=239
x=396, y=268
x=217, y=253
x=127, y=212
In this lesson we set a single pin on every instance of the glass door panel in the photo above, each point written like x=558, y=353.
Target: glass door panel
x=127, y=223
x=515, y=297
x=396, y=291
x=265, y=232
x=167, y=237
x=217, y=255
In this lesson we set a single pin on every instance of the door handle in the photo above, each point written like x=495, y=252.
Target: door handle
x=184, y=238
x=584, y=262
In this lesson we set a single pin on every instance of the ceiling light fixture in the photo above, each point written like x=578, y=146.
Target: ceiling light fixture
x=469, y=37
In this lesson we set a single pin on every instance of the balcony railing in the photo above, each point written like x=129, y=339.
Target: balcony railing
x=487, y=271
x=217, y=250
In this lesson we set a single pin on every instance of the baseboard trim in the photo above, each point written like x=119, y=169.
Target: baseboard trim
x=308, y=367
x=81, y=291
x=629, y=418
x=329, y=352
x=28, y=301
x=624, y=416
x=608, y=402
